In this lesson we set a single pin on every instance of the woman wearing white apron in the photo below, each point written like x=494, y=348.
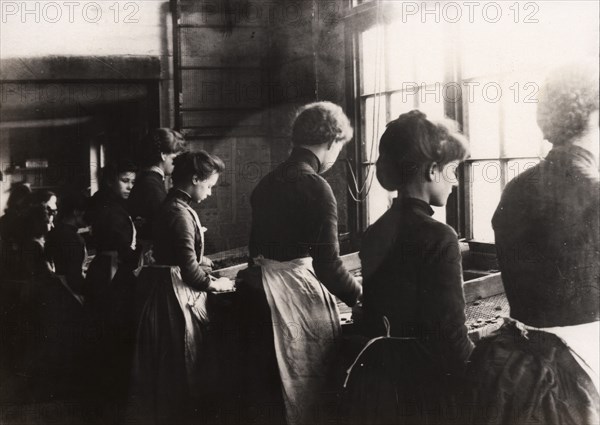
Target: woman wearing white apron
x=294, y=241
x=169, y=375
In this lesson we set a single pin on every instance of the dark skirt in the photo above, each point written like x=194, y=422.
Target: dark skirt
x=42, y=342
x=261, y=395
x=398, y=381
x=58, y=354
x=159, y=391
x=162, y=389
x=110, y=329
x=525, y=377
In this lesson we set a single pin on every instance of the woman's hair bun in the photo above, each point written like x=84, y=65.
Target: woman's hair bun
x=412, y=142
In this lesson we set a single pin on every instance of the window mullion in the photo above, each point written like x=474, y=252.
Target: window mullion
x=503, y=172
x=468, y=199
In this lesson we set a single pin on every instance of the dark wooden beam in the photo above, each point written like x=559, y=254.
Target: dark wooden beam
x=82, y=68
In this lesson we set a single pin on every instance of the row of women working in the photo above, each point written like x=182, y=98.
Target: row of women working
x=413, y=368
x=415, y=362
x=44, y=286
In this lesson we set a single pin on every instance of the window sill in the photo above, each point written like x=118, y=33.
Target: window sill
x=479, y=255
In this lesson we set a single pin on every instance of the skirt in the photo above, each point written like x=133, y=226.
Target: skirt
x=518, y=376
x=398, y=381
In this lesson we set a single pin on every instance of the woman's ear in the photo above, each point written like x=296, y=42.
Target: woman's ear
x=430, y=172
x=163, y=156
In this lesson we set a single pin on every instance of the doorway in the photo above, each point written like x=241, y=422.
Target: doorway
x=56, y=136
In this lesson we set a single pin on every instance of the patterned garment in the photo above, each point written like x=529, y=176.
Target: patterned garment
x=519, y=376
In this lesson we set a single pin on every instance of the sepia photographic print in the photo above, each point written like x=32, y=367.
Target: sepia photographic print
x=297, y=212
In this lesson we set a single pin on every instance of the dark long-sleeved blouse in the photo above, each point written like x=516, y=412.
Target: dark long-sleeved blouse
x=145, y=199
x=412, y=274
x=177, y=239
x=548, y=240
x=112, y=227
x=294, y=215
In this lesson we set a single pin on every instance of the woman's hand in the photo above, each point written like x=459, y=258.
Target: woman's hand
x=221, y=284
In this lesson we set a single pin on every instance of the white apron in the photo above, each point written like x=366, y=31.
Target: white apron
x=193, y=306
x=306, y=328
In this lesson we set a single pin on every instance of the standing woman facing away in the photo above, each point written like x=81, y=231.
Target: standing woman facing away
x=412, y=279
x=159, y=148
x=294, y=240
x=543, y=364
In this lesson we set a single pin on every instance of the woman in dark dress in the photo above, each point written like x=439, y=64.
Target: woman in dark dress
x=113, y=232
x=12, y=276
x=542, y=365
x=26, y=274
x=23, y=230
x=294, y=241
x=412, y=280
x=159, y=148
x=109, y=287
x=193, y=179
x=171, y=367
x=46, y=308
x=35, y=261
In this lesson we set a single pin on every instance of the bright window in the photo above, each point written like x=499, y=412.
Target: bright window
x=502, y=69
x=402, y=68
x=484, y=74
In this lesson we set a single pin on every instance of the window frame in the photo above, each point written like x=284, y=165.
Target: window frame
x=459, y=208
x=502, y=158
x=360, y=18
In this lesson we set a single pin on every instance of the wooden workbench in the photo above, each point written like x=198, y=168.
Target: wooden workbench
x=484, y=295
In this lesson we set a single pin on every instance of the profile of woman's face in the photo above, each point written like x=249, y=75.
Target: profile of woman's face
x=444, y=179
x=203, y=188
x=125, y=183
